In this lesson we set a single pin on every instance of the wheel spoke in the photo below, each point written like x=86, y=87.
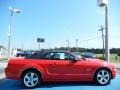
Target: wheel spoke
x=32, y=83
x=32, y=74
x=27, y=82
x=103, y=72
x=35, y=79
x=101, y=80
x=107, y=75
x=99, y=76
x=27, y=77
x=105, y=80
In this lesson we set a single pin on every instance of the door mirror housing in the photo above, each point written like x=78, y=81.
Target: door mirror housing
x=74, y=59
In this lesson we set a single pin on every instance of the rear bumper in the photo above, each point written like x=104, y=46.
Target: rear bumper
x=11, y=75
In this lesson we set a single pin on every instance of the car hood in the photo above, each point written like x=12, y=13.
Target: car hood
x=99, y=61
x=94, y=60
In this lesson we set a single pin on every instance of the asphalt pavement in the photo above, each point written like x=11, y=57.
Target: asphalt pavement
x=7, y=84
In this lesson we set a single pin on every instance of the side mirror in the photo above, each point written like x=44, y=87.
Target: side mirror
x=74, y=59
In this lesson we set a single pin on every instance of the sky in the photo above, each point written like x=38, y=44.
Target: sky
x=57, y=21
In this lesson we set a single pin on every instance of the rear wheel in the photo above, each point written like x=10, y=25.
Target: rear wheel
x=31, y=79
x=103, y=77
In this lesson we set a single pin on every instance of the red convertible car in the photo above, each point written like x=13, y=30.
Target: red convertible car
x=58, y=66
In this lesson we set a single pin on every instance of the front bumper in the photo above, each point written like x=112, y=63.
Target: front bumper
x=114, y=73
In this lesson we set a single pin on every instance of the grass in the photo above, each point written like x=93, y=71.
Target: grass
x=4, y=59
x=115, y=61
x=113, y=58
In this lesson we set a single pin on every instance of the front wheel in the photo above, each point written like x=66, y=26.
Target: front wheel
x=31, y=79
x=103, y=77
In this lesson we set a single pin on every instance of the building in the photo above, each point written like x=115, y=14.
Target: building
x=3, y=51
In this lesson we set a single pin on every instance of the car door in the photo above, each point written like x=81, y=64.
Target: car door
x=62, y=67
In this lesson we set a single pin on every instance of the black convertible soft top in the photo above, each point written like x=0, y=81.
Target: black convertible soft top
x=42, y=54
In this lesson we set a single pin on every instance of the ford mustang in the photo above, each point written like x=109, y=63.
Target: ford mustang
x=58, y=66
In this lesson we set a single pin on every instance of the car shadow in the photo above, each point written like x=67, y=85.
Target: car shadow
x=61, y=84
x=6, y=84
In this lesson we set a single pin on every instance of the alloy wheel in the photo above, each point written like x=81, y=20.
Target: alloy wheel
x=103, y=77
x=31, y=79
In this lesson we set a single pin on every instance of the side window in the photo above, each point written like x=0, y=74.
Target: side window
x=48, y=56
x=62, y=56
x=68, y=57
x=59, y=56
x=55, y=56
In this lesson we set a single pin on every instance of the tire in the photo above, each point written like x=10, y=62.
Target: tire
x=31, y=79
x=102, y=77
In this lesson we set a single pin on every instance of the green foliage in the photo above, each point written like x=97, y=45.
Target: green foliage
x=93, y=50
x=3, y=59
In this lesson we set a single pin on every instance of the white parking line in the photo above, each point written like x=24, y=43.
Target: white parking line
x=2, y=75
x=118, y=75
x=2, y=68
